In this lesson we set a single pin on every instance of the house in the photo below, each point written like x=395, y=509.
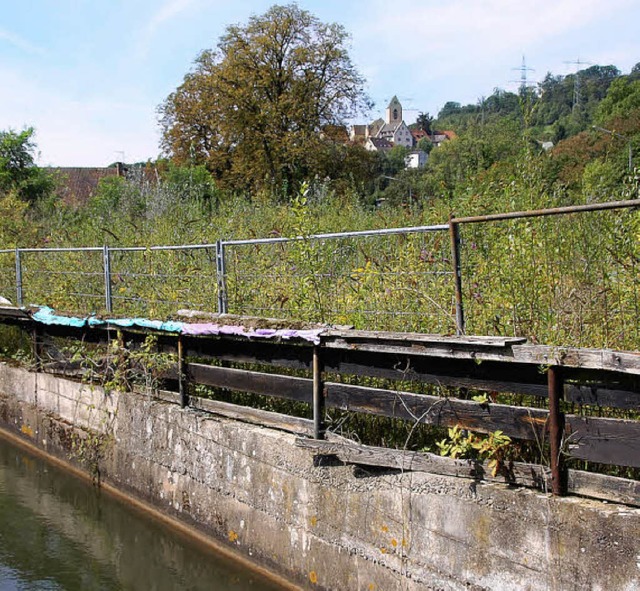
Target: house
x=415, y=159
x=439, y=137
x=419, y=134
x=395, y=132
x=378, y=144
x=393, y=129
x=77, y=185
x=361, y=133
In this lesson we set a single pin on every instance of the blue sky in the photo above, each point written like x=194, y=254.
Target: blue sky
x=89, y=74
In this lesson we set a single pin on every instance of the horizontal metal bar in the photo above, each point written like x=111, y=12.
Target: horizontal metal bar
x=66, y=249
x=545, y=212
x=382, y=232
x=175, y=247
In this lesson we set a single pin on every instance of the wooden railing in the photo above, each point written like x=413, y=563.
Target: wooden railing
x=558, y=383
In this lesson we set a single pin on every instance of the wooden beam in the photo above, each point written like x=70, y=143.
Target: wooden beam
x=602, y=395
x=603, y=440
x=587, y=484
x=520, y=422
x=603, y=487
x=600, y=359
x=245, y=351
x=405, y=460
x=255, y=416
x=459, y=373
x=289, y=387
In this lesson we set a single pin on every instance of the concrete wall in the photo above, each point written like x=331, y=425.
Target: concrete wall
x=330, y=527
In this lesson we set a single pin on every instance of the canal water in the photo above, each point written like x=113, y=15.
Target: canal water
x=58, y=532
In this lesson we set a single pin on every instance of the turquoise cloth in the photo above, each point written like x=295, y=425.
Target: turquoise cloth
x=168, y=326
x=48, y=316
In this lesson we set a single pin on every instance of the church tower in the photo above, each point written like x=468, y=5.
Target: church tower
x=394, y=111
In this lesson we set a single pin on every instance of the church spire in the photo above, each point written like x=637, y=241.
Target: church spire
x=394, y=111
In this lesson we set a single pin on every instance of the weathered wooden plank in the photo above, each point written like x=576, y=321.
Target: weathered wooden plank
x=602, y=440
x=335, y=337
x=245, y=351
x=13, y=313
x=353, y=453
x=599, y=395
x=588, y=484
x=255, y=416
x=460, y=373
x=289, y=387
x=520, y=422
x=162, y=395
x=619, y=361
x=603, y=487
x=414, y=345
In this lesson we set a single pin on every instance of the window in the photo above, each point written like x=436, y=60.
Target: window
x=395, y=113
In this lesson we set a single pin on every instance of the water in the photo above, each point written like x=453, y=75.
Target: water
x=60, y=533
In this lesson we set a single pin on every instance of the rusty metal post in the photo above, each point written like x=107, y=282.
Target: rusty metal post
x=318, y=395
x=556, y=429
x=182, y=378
x=454, y=232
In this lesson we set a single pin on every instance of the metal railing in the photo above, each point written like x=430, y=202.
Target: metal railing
x=397, y=278
x=389, y=278
x=567, y=275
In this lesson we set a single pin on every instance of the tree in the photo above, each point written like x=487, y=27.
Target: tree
x=425, y=121
x=253, y=109
x=18, y=172
x=425, y=144
x=622, y=98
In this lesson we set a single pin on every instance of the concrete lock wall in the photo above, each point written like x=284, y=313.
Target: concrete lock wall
x=324, y=526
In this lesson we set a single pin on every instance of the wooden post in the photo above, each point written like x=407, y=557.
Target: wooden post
x=318, y=395
x=556, y=429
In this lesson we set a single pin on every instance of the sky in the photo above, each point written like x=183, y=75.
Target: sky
x=89, y=75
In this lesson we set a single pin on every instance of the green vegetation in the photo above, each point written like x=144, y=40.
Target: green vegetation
x=255, y=148
x=262, y=109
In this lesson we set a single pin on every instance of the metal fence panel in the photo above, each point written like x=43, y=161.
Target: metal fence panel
x=394, y=281
x=68, y=279
x=158, y=281
x=570, y=279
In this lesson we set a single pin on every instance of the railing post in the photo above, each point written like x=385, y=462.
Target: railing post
x=18, y=278
x=221, y=275
x=556, y=429
x=108, y=301
x=454, y=233
x=318, y=395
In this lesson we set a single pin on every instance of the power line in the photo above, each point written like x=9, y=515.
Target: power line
x=577, y=98
x=523, y=74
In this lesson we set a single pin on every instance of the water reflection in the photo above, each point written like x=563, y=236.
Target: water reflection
x=59, y=533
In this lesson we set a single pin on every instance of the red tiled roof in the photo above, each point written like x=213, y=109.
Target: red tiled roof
x=76, y=185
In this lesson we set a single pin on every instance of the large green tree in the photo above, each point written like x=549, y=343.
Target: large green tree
x=254, y=109
x=18, y=173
